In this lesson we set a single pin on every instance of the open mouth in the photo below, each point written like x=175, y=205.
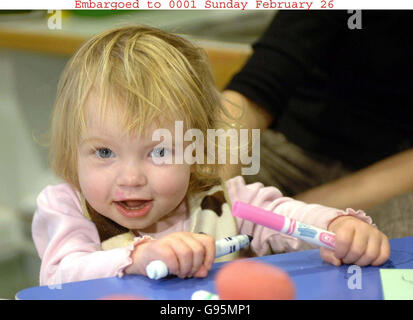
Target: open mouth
x=134, y=208
x=133, y=204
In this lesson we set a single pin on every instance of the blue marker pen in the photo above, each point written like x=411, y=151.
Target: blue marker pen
x=157, y=269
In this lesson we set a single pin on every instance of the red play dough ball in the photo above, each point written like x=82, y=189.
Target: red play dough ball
x=252, y=280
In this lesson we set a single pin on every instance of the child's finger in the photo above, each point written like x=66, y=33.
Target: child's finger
x=209, y=245
x=198, y=253
x=202, y=272
x=371, y=253
x=358, y=248
x=344, y=240
x=168, y=255
x=384, y=253
x=184, y=255
x=329, y=256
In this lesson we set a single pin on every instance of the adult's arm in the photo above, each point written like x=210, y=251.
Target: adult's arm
x=241, y=113
x=362, y=189
x=367, y=187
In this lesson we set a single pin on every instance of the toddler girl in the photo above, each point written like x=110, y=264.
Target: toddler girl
x=128, y=198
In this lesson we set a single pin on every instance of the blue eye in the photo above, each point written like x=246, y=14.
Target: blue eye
x=158, y=153
x=104, y=153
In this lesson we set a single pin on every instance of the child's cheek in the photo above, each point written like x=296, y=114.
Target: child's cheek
x=93, y=185
x=173, y=182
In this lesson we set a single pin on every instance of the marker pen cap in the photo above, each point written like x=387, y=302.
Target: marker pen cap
x=157, y=269
x=204, y=295
x=259, y=216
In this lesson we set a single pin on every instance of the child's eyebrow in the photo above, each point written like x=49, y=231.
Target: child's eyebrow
x=89, y=140
x=145, y=142
x=152, y=143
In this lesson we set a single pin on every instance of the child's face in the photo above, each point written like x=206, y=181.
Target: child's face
x=121, y=178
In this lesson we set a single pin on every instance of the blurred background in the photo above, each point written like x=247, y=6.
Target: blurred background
x=34, y=47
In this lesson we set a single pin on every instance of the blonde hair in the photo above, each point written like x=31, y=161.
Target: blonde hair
x=158, y=77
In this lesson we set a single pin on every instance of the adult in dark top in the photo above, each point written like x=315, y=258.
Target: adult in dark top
x=338, y=101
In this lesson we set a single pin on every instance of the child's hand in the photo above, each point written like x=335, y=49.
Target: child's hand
x=186, y=254
x=357, y=242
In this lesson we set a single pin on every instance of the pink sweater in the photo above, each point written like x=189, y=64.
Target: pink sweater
x=69, y=245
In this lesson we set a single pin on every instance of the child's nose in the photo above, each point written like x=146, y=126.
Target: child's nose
x=132, y=176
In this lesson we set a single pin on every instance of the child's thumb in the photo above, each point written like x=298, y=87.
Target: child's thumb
x=328, y=256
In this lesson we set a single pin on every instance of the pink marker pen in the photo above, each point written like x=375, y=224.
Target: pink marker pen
x=284, y=225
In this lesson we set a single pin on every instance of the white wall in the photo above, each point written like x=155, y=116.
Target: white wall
x=27, y=91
